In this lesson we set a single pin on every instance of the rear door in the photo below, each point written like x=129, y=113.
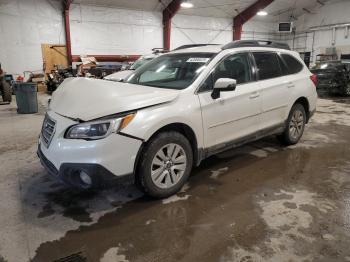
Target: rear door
x=275, y=89
x=296, y=79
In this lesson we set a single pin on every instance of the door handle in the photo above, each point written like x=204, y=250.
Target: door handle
x=289, y=85
x=254, y=95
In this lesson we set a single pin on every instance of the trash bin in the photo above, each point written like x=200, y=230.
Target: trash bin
x=26, y=98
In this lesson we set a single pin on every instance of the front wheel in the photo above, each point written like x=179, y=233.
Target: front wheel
x=295, y=125
x=165, y=165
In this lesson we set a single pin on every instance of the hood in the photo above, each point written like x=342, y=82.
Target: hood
x=88, y=99
x=118, y=76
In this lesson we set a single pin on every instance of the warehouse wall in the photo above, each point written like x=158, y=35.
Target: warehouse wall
x=335, y=12
x=24, y=26
x=188, y=29
x=105, y=30
x=259, y=30
x=199, y=29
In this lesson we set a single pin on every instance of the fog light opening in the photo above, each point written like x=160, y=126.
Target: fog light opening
x=85, y=179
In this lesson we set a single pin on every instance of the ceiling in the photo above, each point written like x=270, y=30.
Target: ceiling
x=289, y=10
x=278, y=10
x=217, y=8
x=147, y=5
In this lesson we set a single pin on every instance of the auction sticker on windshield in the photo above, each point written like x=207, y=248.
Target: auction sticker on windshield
x=197, y=60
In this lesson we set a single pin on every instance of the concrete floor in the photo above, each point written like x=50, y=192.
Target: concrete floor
x=261, y=202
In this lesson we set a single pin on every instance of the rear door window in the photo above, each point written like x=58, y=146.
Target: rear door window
x=294, y=66
x=267, y=64
x=284, y=68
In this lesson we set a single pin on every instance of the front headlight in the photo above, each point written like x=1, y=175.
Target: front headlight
x=98, y=129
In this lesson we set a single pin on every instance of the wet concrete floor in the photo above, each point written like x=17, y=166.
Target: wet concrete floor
x=260, y=202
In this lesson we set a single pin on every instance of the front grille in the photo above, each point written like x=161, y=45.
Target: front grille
x=48, y=130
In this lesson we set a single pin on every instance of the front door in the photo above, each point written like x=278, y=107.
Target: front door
x=235, y=114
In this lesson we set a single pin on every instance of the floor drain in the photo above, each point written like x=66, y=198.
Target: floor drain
x=77, y=257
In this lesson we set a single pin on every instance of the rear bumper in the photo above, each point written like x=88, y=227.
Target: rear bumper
x=69, y=174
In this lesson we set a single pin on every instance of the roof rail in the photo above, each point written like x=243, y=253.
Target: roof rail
x=255, y=43
x=158, y=50
x=191, y=45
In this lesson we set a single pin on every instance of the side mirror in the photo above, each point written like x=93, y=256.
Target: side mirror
x=222, y=85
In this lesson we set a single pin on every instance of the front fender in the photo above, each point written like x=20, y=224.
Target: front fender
x=185, y=110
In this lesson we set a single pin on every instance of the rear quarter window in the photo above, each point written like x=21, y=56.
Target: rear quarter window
x=294, y=66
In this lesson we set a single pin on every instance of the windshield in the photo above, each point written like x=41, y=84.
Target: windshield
x=173, y=71
x=140, y=62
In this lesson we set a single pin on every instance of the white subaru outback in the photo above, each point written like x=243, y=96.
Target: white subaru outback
x=173, y=112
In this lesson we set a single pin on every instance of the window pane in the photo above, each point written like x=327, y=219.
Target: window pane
x=284, y=68
x=174, y=71
x=234, y=67
x=268, y=65
x=208, y=84
x=293, y=64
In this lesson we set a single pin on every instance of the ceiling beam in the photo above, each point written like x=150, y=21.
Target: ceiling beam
x=246, y=15
x=66, y=4
x=307, y=10
x=168, y=13
x=321, y=3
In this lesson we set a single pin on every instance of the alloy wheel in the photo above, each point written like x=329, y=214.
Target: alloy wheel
x=296, y=125
x=168, y=166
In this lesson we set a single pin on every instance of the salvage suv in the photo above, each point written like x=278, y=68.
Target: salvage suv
x=173, y=112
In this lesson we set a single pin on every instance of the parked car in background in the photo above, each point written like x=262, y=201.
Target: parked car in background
x=121, y=75
x=173, y=112
x=333, y=77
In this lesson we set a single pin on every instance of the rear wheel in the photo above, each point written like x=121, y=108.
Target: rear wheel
x=295, y=125
x=166, y=164
x=6, y=92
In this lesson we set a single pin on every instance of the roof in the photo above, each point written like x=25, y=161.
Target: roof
x=239, y=45
x=200, y=49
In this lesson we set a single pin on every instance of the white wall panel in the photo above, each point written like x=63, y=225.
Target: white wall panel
x=259, y=30
x=103, y=30
x=188, y=29
x=24, y=26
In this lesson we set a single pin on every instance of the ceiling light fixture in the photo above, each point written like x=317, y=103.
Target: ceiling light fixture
x=186, y=4
x=262, y=13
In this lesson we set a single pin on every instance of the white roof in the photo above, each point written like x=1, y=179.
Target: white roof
x=200, y=49
x=217, y=49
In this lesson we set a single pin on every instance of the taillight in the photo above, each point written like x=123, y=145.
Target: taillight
x=314, y=79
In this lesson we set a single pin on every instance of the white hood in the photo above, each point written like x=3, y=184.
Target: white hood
x=118, y=76
x=87, y=99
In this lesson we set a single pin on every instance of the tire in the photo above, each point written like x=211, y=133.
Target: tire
x=347, y=90
x=6, y=92
x=161, y=173
x=295, y=125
